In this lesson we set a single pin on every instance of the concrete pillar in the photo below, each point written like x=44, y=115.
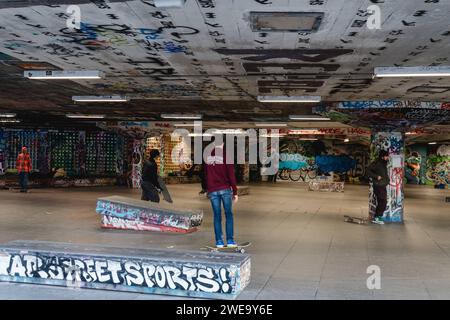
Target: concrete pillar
x=138, y=158
x=394, y=143
x=246, y=173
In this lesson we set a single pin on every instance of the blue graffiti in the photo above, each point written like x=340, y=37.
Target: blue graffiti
x=292, y=161
x=341, y=163
x=171, y=47
x=369, y=104
x=150, y=34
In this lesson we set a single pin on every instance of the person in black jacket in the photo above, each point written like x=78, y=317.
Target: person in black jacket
x=378, y=173
x=149, y=183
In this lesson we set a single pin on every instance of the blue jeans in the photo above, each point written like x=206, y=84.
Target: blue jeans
x=23, y=176
x=217, y=198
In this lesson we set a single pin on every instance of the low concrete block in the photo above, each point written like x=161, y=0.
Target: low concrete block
x=243, y=190
x=326, y=186
x=128, y=213
x=171, y=272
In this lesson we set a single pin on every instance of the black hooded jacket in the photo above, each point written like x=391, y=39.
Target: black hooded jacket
x=150, y=173
x=378, y=168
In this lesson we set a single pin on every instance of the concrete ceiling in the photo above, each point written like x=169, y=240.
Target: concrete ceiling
x=208, y=50
x=206, y=58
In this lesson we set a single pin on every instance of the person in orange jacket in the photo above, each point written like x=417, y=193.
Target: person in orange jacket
x=23, y=165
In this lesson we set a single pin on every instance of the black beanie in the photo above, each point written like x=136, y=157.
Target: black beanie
x=154, y=153
x=383, y=153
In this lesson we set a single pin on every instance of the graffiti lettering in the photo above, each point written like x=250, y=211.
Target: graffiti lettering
x=257, y=67
x=117, y=271
x=309, y=55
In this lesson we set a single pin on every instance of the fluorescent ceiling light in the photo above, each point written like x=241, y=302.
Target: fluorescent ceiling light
x=86, y=116
x=60, y=75
x=289, y=99
x=181, y=116
x=279, y=135
x=100, y=99
x=309, y=139
x=199, y=135
x=410, y=133
x=346, y=140
x=10, y=120
x=229, y=131
x=7, y=115
x=270, y=124
x=184, y=124
x=432, y=142
x=425, y=71
x=308, y=118
x=305, y=131
x=169, y=3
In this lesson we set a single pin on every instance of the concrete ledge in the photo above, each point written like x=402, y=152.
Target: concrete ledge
x=243, y=190
x=128, y=213
x=326, y=186
x=172, y=272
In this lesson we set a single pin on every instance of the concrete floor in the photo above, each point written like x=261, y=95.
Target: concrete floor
x=302, y=248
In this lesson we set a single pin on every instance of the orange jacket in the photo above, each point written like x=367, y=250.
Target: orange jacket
x=23, y=163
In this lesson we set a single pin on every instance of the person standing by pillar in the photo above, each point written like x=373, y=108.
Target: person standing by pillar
x=23, y=165
x=149, y=178
x=378, y=173
x=221, y=185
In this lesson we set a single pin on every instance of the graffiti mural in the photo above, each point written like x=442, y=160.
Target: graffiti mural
x=140, y=214
x=137, y=158
x=147, y=271
x=379, y=104
x=393, y=142
x=2, y=153
x=413, y=167
x=438, y=171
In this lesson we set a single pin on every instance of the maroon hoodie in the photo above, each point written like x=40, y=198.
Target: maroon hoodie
x=219, y=175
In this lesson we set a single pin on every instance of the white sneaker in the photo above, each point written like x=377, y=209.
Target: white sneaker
x=377, y=221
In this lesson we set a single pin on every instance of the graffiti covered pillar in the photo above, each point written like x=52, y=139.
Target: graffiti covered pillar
x=393, y=142
x=138, y=158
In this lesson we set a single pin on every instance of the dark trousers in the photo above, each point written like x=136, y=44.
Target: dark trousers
x=381, y=195
x=273, y=178
x=23, y=180
x=149, y=192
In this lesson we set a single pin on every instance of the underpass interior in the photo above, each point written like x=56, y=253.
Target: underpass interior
x=90, y=88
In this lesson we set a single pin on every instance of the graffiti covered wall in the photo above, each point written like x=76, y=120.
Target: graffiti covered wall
x=438, y=167
x=325, y=156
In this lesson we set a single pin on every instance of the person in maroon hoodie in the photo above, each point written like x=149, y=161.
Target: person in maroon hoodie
x=221, y=185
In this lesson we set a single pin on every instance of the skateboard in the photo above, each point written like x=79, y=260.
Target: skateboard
x=358, y=220
x=239, y=248
x=165, y=193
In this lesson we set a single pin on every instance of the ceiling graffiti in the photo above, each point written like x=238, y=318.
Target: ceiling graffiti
x=215, y=57
x=152, y=52
x=388, y=115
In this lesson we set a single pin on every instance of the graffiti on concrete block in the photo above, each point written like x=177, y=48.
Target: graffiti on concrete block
x=317, y=185
x=111, y=222
x=148, y=214
x=119, y=272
